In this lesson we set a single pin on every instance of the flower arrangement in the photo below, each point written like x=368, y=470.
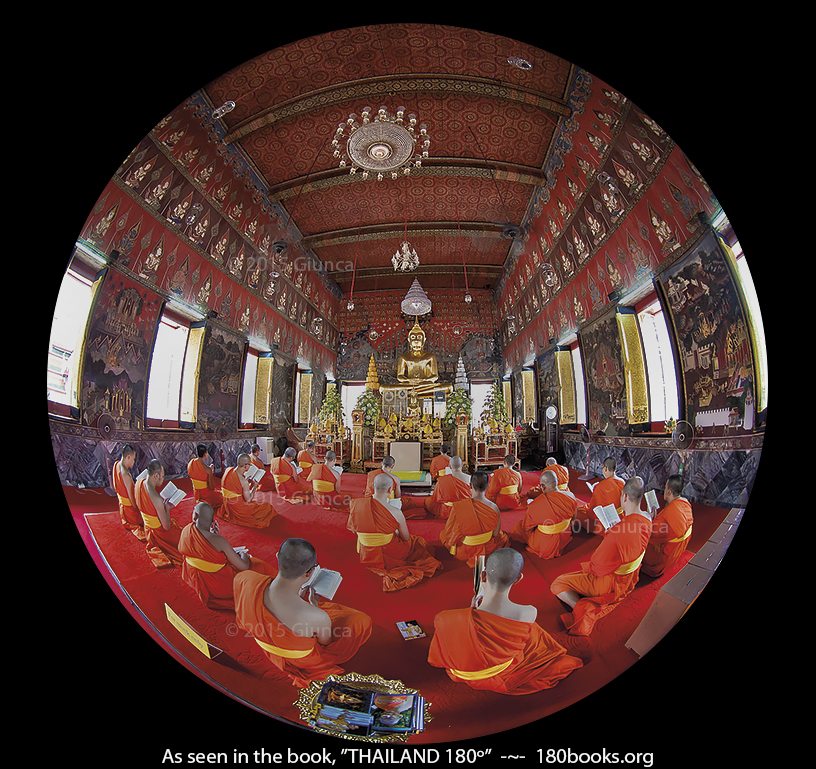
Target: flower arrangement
x=369, y=403
x=458, y=400
x=494, y=408
x=331, y=410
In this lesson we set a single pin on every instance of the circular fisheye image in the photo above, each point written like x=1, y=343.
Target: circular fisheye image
x=407, y=384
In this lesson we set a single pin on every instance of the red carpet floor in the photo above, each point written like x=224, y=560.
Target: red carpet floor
x=458, y=712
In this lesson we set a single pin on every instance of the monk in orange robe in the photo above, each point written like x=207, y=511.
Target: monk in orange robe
x=411, y=507
x=285, y=472
x=306, y=637
x=440, y=463
x=385, y=545
x=325, y=480
x=240, y=506
x=505, y=486
x=473, y=527
x=162, y=531
x=545, y=528
x=267, y=482
x=497, y=645
x=671, y=530
x=210, y=562
x=450, y=488
x=125, y=490
x=605, y=492
x=561, y=474
x=205, y=486
x=613, y=570
x=306, y=458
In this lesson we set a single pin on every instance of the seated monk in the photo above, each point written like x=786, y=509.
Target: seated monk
x=441, y=463
x=325, y=480
x=240, y=506
x=613, y=570
x=671, y=529
x=162, y=531
x=306, y=458
x=304, y=636
x=411, y=507
x=474, y=525
x=505, y=486
x=497, y=645
x=125, y=490
x=605, y=492
x=450, y=488
x=385, y=545
x=205, y=484
x=561, y=474
x=267, y=482
x=546, y=526
x=286, y=474
x=210, y=563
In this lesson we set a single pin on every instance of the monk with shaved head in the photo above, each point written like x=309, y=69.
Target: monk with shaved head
x=240, y=506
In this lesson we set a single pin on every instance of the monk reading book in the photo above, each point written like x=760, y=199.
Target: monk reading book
x=267, y=482
x=440, y=463
x=210, y=562
x=411, y=508
x=671, y=529
x=325, y=480
x=125, y=488
x=240, y=506
x=205, y=484
x=546, y=526
x=613, y=570
x=306, y=458
x=450, y=488
x=162, y=531
x=605, y=492
x=385, y=545
x=561, y=474
x=289, y=479
x=497, y=645
x=473, y=527
x=505, y=486
x=306, y=637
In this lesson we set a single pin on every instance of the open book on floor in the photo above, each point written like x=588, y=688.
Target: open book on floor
x=324, y=582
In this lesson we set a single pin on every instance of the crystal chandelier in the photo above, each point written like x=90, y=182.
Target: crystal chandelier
x=381, y=144
x=405, y=258
x=416, y=301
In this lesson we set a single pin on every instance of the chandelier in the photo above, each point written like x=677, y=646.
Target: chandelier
x=405, y=258
x=381, y=144
x=416, y=301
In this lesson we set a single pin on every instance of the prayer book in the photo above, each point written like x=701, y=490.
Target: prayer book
x=142, y=475
x=395, y=503
x=592, y=485
x=254, y=473
x=607, y=515
x=324, y=582
x=241, y=550
x=479, y=567
x=651, y=500
x=172, y=494
x=410, y=630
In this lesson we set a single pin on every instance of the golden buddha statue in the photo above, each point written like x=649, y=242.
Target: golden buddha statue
x=417, y=368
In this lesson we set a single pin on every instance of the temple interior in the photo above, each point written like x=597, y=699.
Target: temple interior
x=389, y=238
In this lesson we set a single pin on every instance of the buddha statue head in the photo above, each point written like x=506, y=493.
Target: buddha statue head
x=416, y=338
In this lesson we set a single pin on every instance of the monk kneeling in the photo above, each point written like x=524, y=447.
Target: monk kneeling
x=545, y=528
x=267, y=482
x=125, y=490
x=496, y=645
x=325, y=480
x=450, y=488
x=205, y=484
x=162, y=531
x=287, y=478
x=606, y=492
x=411, y=507
x=671, y=530
x=240, y=505
x=473, y=527
x=561, y=474
x=505, y=486
x=210, y=563
x=384, y=543
x=304, y=636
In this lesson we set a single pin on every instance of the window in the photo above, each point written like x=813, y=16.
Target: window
x=749, y=289
x=67, y=331
x=166, y=366
x=664, y=399
x=303, y=397
x=578, y=378
x=248, y=388
x=479, y=392
x=348, y=397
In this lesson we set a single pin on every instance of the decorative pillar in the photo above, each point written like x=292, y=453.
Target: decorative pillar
x=357, y=424
x=462, y=421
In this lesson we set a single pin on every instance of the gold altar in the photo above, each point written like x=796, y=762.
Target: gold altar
x=330, y=435
x=491, y=443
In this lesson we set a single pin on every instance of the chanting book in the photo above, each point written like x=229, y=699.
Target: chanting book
x=651, y=500
x=410, y=629
x=254, y=473
x=324, y=582
x=607, y=515
x=172, y=494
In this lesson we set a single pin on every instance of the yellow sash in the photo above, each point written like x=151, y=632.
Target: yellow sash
x=229, y=494
x=509, y=489
x=199, y=484
x=373, y=539
x=554, y=528
x=443, y=471
x=204, y=565
x=280, y=479
x=305, y=464
x=628, y=568
x=322, y=486
x=563, y=486
x=478, y=675
x=291, y=654
x=478, y=539
x=124, y=501
x=151, y=521
x=685, y=536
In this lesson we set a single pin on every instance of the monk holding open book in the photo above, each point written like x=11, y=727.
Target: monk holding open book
x=162, y=531
x=267, y=482
x=606, y=492
x=240, y=505
x=125, y=488
x=305, y=636
x=497, y=645
x=561, y=474
x=325, y=479
x=440, y=463
x=287, y=477
x=545, y=528
x=410, y=506
x=505, y=486
x=450, y=488
x=205, y=484
x=671, y=530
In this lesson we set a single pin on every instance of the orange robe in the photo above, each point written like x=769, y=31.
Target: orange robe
x=267, y=482
x=324, y=489
x=305, y=461
x=609, y=576
x=504, y=489
x=546, y=526
x=606, y=492
x=204, y=485
x=286, y=480
x=562, y=481
x=468, y=532
x=671, y=530
x=254, y=515
x=207, y=570
x=401, y=564
x=302, y=659
x=411, y=507
x=497, y=654
x=439, y=466
x=128, y=507
x=161, y=545
x=448, y=490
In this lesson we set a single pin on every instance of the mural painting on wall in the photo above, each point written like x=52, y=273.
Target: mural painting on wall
x=117, y=351
x=282, y=395
x=548, y=384
x=219, y=381
x=712, y=334
x=606, y=388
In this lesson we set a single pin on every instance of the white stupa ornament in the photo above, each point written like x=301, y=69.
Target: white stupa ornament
x=461, y=380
